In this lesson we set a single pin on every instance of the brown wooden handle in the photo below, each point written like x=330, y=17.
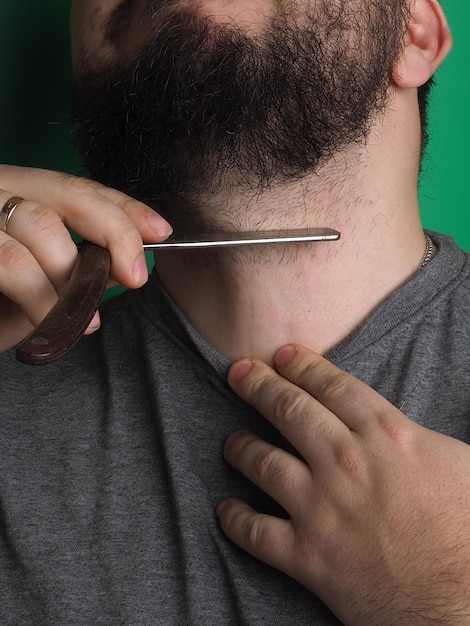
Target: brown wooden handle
x=67, y=321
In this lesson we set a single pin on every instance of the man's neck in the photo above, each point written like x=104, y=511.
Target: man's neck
x=250, y=300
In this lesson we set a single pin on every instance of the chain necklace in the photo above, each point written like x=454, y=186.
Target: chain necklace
x=428, y=252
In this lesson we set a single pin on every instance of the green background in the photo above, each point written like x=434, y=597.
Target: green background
x=34, y=79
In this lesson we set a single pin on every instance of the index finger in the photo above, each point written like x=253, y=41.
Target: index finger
x=308, y=425
x=99, y=214
x=356, y=404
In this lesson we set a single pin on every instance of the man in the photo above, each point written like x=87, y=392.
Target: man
x=248, y=117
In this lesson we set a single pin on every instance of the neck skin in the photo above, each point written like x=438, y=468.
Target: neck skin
x=249, y=301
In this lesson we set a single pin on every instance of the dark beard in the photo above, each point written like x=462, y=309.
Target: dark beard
x=204, y=105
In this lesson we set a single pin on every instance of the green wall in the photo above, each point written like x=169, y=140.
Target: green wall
x=444, y=197
x=34, y=76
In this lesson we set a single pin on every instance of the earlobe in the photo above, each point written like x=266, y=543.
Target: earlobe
x=427, y=44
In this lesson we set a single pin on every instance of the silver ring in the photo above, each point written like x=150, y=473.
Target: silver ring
x=8, y=210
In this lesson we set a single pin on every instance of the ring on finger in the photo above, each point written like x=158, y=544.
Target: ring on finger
x=7, y=211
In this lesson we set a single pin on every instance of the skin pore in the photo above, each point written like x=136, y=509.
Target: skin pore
x=250, y=301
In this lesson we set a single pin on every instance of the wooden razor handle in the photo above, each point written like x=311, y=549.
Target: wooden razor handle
x=67, y=321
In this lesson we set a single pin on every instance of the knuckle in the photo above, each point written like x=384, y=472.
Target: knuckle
x=395, y=431
x=333, y=387
x=266, y=465
x=270, y=470
x=123, y=237
x=77, y=185
x=80, y=192
x=128, y=235
x=258, y=536
x=130, y=207
x=13, y=257
x=44, y=220
x=348, y=457
x=290, y=407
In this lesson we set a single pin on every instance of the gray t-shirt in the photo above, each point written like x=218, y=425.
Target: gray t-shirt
x=111, y=459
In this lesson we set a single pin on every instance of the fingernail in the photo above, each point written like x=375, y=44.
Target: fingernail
x=233, y=437
x=140, y=272
x=239, y=370
x=285, y=355
x=94, y=324
x=159, y=225
x=219, y=509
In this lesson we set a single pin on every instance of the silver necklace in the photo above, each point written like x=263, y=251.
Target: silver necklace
x=428, y=252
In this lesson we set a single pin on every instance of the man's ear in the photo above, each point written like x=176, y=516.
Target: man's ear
x=428, y=42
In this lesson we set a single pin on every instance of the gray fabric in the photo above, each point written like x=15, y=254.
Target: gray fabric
x=111, y=464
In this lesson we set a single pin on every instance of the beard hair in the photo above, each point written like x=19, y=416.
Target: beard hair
x=204, y=106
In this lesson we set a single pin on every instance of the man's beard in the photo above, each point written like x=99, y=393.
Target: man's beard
x=205, y=106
